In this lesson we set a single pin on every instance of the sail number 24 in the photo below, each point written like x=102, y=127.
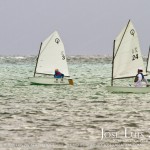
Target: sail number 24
x=134, y=54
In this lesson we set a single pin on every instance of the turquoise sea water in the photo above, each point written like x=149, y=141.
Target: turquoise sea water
x=80, y=117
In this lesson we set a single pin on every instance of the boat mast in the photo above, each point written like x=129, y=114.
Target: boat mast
x=148, y=59
x=37, y=59
x=113, y=63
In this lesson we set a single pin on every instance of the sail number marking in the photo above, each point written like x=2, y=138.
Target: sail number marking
x=135, y=57
x=63, y=56
x=135, y=54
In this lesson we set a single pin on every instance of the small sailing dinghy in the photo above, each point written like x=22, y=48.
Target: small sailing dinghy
x=51, y=56
x=127, y=59
x=148, y=66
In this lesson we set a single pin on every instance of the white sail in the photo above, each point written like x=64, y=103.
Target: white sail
x=52, y=56
x=127, y=53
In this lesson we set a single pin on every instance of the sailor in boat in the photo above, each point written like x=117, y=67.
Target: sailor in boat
x=58, y=75
x=139, y=79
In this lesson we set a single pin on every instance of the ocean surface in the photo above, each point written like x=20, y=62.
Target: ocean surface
x=80, y=117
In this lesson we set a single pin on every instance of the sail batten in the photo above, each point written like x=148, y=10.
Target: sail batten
x=127, y=51
x=52, y=56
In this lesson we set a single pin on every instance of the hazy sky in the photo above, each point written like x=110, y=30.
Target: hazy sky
x=86, y=27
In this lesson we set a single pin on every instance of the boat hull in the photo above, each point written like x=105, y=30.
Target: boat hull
x=119, y=89
x=50, y=81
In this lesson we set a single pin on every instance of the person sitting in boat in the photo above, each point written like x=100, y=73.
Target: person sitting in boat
x=139, y=78
x=58, y=75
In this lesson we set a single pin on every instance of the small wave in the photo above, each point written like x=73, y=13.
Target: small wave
x=132, y=125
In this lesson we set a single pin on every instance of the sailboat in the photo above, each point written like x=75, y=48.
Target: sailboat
x=148, y=66
x=127, y=59
x=51, y=56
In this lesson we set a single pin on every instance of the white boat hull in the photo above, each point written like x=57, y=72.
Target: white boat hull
x=119, y=89
x=50, y=81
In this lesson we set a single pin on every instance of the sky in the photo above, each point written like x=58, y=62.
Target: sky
x=86, y=27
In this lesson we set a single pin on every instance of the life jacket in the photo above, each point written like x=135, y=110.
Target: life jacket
x=136, y=77
x=57, y=73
